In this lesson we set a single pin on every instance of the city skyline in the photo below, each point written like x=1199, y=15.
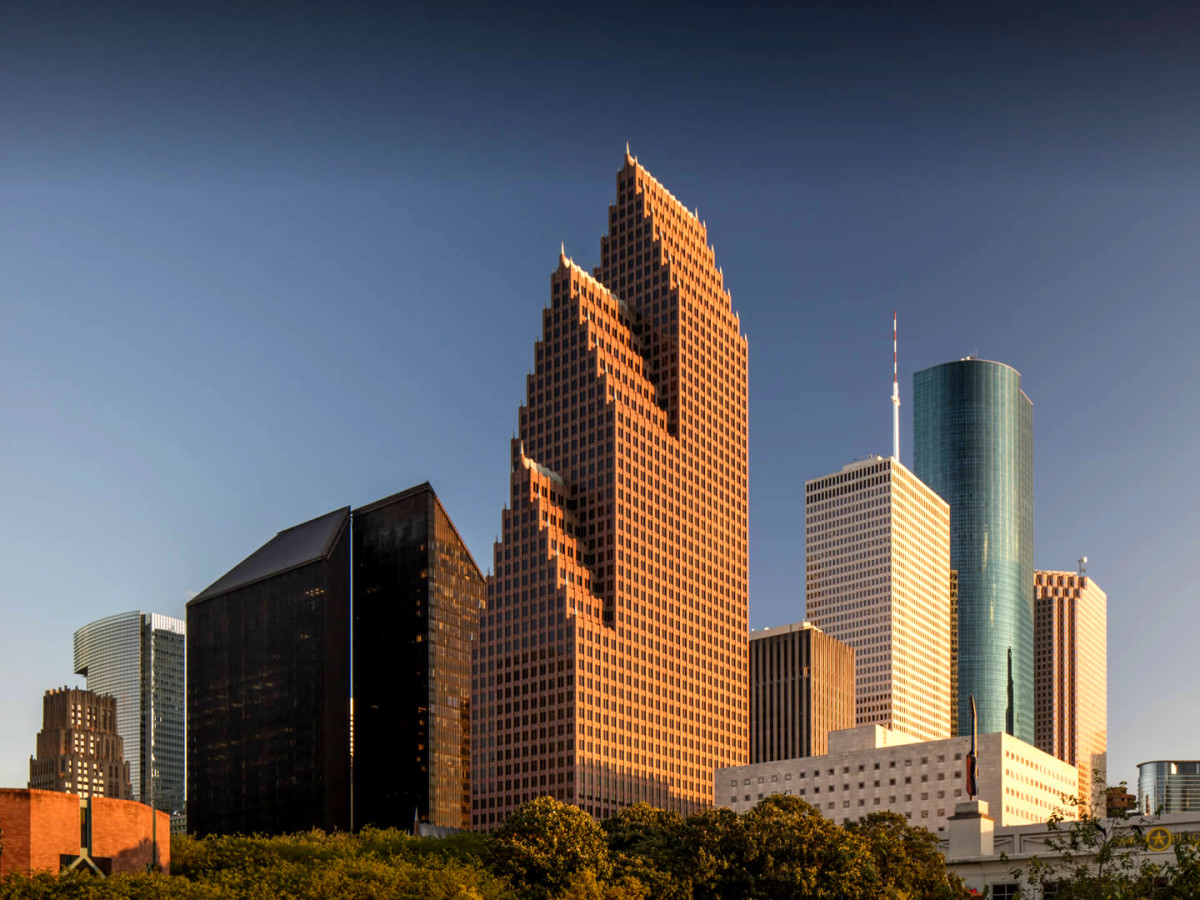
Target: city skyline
x=192, y=258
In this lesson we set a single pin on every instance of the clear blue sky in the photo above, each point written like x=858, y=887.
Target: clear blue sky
x=258, y=261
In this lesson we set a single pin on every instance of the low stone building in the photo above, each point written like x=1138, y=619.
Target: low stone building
x=870, y=769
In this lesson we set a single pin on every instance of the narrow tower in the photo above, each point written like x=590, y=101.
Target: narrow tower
x=895, y=395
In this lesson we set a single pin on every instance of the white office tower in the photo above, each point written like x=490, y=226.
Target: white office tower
x=877, y=577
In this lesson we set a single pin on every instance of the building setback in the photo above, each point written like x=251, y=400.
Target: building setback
x=417, y=599
x=801, y=688
x=1071, y=678
x=140, y=659
x=269, y=687
x=870, y=769
x=612, y=665
x=78, y=748
x=973, y=444
x=877, y=577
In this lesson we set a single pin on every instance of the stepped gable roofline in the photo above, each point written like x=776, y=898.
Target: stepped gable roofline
x=289, y=549
x=423, y=487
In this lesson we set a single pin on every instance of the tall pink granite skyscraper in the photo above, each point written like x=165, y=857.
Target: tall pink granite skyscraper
x=612, y=661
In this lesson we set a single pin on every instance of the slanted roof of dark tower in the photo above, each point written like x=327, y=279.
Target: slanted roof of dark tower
x=291, y=548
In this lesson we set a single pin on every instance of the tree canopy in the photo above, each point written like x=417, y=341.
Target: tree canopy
x=547, y=850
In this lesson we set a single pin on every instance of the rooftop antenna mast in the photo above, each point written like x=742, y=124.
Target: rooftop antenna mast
x=895, y=395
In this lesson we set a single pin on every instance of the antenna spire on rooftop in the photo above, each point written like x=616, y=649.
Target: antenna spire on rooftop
x=895, y=394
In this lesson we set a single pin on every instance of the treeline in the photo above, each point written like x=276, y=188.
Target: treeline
x=783, y=848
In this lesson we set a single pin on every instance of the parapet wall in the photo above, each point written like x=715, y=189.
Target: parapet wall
x=41, y=827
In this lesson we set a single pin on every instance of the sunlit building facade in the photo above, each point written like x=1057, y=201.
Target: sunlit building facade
x=140, y=659
x=869, y=769
x=417, y=598
x=877, y=577
x=612, y=664
x=78, y=749
x=1071, y=678
x=973, y=445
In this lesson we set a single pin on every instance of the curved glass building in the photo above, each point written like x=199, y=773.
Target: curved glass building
x=1168, y=786
x=973, y=444
x=140, y=659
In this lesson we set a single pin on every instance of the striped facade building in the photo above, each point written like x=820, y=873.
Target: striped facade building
x=801, y=688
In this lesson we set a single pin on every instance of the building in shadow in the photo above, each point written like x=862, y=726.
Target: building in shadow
x=417, y=600
x=268, y=661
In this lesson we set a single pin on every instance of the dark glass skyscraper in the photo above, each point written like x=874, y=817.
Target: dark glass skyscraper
x=417, y=599
x=973, y=444
x=268, y=659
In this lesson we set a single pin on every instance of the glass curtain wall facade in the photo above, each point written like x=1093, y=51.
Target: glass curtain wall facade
x=973, y=444
x=164, y=712
x=417, y=600
x=140, y=659
x=1168, y=786
x=268, y=732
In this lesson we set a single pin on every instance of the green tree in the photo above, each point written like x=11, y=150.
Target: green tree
x=544, y=844
x=644, y=847
x=712, y=854
x=906, y=859
x=1104, y=859
x=797, y=852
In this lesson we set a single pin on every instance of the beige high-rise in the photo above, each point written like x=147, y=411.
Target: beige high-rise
x=1070, y=640
x=612, y=666
x=877, y=577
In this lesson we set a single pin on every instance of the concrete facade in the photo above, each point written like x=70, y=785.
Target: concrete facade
x=871, y=769
x=612, y=664
x=41, y=827
x=801, y=688
x=877, y=577
x=1070, y=652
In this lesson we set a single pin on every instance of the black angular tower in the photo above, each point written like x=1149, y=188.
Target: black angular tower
x=417, y=600
x=268, y=694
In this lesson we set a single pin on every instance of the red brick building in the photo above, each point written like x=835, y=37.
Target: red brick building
x=42, y=832
x=612, y=660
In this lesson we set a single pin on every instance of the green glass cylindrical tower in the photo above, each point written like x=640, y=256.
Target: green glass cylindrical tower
x=973, y=444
